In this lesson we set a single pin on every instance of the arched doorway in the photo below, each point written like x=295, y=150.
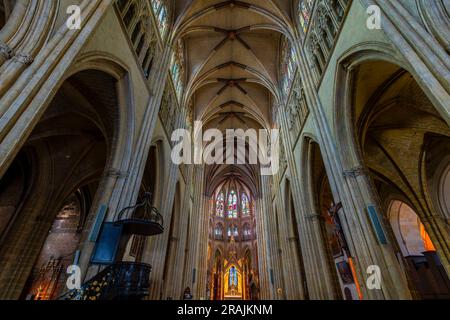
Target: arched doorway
x=418, y=252
x=409, y=230
x=66, y=157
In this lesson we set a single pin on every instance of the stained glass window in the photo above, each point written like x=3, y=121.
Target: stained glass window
x=176, y=72
x=232, y=205
x=161, y=14
x=247, y=230
x=220, y=205
x=245, y=205
x=233, y=279
x=218, y=231
x=233, y=231
x=304, y=13
x=288, y=67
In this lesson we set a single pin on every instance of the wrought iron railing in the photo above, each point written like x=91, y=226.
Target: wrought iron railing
x=121, y=281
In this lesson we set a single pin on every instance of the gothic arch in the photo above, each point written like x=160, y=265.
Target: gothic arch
x=442, y=190
x=374, y=118
x=330, y=236
x=126, y=124
x=406, y=227
x=436, y=174
x=155, y=171
x=343, y=117
x=72, y=145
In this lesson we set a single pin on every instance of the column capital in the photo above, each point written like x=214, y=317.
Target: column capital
x=313, y=216
x=23, y=58
x=114, y=173
x=355, y=172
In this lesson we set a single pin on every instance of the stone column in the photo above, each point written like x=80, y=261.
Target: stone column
x=195, y=232
x=33, y=35
x=312, y=245
x=156, y=249
x=23, y=16
x=429, y=63
x=267, y=243
x=357, y=228
x=202, y=256
x=263, y=254
x=175, y=276
x=123, y=188
x=293, y=277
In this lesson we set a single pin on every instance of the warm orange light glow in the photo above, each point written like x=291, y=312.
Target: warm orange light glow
x=233, y=291
x=428, y=244
x=358, y=288
x=41, y=293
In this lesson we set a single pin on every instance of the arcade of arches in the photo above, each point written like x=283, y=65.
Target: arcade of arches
x=358, y=210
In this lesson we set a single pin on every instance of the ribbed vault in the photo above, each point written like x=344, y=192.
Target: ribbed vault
x=231, y=55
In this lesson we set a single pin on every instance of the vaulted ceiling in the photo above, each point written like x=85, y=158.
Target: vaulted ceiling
x=231, y=57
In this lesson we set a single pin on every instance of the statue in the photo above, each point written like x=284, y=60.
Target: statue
x=333, y=212
x=187, y=294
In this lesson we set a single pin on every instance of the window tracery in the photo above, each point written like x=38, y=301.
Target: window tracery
x=288, y=67
x=233, y=231
x=220, y=205
x=162, y=16
x=304, y=13
x=218, y=232
x=136, y=18
x=232, y=205
x=245, y=205
x=325, y=20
